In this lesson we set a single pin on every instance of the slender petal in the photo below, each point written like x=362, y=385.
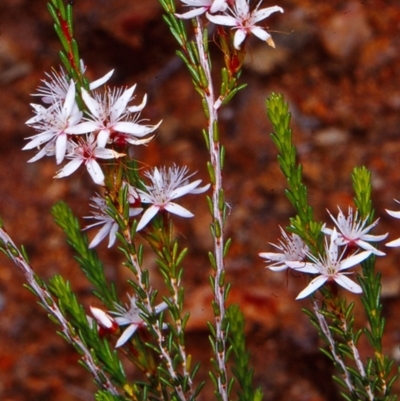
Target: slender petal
x=313, y=286
x=101, y=81
x=348, y=284
x=95, y=171
x=178, y=210
x=147, y=216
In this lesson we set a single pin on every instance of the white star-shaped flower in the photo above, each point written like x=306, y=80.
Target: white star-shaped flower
x=202, y=6
x=109, y=114
x=244, y=21
x=110, y=226
x=54, y=123
x=354, y=231
x=86, y=152
x=130, y=315
x=166, y=185
x=330, y=268
x=292, y=249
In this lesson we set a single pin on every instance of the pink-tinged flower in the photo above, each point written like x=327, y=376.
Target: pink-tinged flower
x=292, y=249
x=106, y=323
x=396, y=215
x=244, y=21
x=109, y=115
x=86, y=152
x=167, y=184
x=55, y=89
x=110, y=226
x=54, y=122
x=130, y=315
x=330, y=268
x=202, y=6
x=354, y=232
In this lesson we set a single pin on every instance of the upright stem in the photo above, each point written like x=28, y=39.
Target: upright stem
x=217, y=214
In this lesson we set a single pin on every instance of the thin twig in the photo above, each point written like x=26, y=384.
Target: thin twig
x=164, y=353
x=51, y=307
x=218, y=221
x=323, y=324
x=357, y=358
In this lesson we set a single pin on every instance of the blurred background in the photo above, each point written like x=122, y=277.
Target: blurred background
x=337, y=63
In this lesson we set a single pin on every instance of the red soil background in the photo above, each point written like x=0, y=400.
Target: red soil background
x=337, y=64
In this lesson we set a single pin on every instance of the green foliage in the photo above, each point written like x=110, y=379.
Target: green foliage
x=63, y=25
x=303, y=224
x=380, y=367
x=80, y=325
x=87, y=258
x=362, y=187
x=241, y=369
x=107, y=396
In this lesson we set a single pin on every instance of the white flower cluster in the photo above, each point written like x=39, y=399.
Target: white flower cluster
x=66, y=132
x=341, y=253
x=235, y=14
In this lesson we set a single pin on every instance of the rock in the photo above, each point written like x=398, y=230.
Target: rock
x=345, y=31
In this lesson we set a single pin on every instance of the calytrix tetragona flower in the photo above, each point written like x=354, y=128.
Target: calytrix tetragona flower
x=86, y=152
x=54, y=123
x=244, y=21
x=109, y=114
x=292, y=249
x=329, y=267
x=354, y=231
x=130, y=315
x=166, y=185
x=110, y=226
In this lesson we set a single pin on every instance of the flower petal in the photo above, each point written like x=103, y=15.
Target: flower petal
x=92, y=104
x=61, y=147
x=192, y=13
x=394, y=214
x=394, y=243
x=147, y=216
x=314, y=285
x=101, y=81
x=178, y=210
x=265, y=13
x=119, y=106
x=82, y=128
x=348, y=284
x=126, y=335
x=139, y=107
x=354, y=260
x=100, y=235
x=238, y=39
x=135, y=129
x=226, y=20
x=95, y=172
x=69, y=168
x=303, y=267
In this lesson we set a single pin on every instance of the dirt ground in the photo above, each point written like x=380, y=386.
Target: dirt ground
x=337, y=64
